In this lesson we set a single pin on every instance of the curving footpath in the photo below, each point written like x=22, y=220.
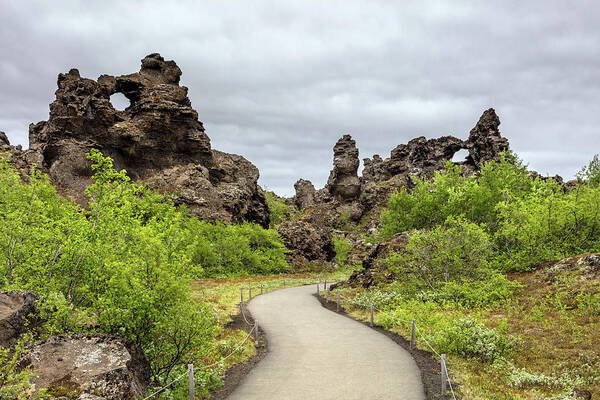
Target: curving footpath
x=317, y=354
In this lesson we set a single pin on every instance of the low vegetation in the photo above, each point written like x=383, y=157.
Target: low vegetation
x=125, y=264
x=480, y=277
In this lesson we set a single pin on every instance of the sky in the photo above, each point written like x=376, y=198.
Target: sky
x=278, y=82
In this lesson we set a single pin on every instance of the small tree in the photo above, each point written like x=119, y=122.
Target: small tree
x=591, y=172
x=277, y=209
x=342, y=248
x=455, y=251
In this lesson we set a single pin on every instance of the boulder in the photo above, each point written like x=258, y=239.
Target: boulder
x=158, y=139
x=106, y=366
x=17, y=315
x=383, y=249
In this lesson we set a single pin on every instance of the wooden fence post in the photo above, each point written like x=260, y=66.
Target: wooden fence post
x=371, y=315
x=249, y=292
x=191, y=381
x=444, y=374
x=241, y=295
x=338, y=303
x=261, y=289
x=412, y=334
x=256, y=332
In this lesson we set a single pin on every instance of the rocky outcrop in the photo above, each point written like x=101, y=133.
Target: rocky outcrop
x=305, y=194
x=383, y=249
x=308, y=241
x=346, y=198
x=4, y=143
x=94, y=364
x=158, y=139
x=374, y=270
x=17, y=315
x=421, y=157
x=485, y=142
x=343, y=183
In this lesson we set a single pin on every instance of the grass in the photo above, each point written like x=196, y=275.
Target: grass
x=552, y=323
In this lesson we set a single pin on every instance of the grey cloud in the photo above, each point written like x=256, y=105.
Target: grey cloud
x=280, y=82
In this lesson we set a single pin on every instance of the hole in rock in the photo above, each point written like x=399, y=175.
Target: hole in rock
x=460, y=155
x=119, y=101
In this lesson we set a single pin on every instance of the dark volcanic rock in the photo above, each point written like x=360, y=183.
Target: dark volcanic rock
x=308, y=241
x=421, y=157
x=485, y=142
x=17, y=315
x=375, y=169
x=102, y=365
x=343, y=182
x=157, y=139
x=4, y=143
x=382, y=249
x=305, y=194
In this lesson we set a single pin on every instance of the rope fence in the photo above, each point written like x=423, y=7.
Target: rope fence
x=446, y=383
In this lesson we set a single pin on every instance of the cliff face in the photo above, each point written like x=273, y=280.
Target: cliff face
x=158, y=139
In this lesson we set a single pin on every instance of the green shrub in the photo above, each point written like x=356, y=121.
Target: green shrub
x=548, y=224
x=469, y=338
x=473, y=293
x=456, y=251
x=232, y=250
x=591, y=172
x=342, y=248
x=14, y=379
x=124, y=265
x=278, y=209
x=449, y=193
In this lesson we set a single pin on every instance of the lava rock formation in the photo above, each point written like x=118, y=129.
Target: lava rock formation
x=158, y=139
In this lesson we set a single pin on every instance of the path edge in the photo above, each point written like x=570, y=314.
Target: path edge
x=235, y=374
x=428, y=365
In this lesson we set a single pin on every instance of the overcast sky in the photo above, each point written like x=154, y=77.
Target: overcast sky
x=280, y=81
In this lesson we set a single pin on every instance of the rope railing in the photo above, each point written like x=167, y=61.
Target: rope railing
x=166, y=386
x=414, y=328
x=190, y=372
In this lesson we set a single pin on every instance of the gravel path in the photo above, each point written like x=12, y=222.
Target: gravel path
x=317, y=354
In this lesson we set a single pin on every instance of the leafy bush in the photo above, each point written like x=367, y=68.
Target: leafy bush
x=278, y=209
x=14, y=380
x=473, y=293
x=123, y=265
x=469, y=338
x=230, y=250
x=342, y=248
x=455, y=251
x=449, y=193
x=529, y=220
x=591, y=172
x=548, y=224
